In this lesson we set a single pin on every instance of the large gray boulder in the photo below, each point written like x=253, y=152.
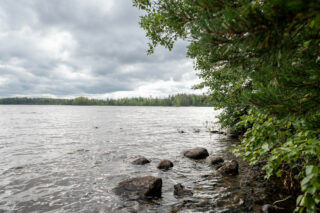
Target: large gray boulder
x=196, y=153
x=165, y=165
x=230, y=168
x=139, y=187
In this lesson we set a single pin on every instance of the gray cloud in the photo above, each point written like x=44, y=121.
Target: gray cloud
x=84, y=47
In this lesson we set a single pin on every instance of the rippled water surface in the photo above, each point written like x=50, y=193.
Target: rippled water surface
x=69, y=158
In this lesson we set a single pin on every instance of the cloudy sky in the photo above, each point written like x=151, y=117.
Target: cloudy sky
x=94, y=48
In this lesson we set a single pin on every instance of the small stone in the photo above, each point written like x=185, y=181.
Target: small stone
x=216, y=132
x=18, y=167
x=213, y=160
x=165, y=164
x=196, y=153
x=230, y=168
x=196, y=130
x=140, y=161
x=204, y=203
x=180, y=191
x=231, y=133
x=139, y=187
x=272, y=209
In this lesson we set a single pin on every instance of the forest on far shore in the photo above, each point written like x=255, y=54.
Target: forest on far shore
x=171, y=100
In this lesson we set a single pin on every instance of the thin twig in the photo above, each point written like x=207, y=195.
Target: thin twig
x=279, y=201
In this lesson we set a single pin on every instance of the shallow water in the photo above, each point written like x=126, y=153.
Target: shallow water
x=69, y=158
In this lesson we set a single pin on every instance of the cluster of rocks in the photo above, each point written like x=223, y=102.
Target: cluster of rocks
x=228, y=132
x=150, y=187
x=229, y=168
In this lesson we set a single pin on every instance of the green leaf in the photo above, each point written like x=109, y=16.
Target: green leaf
x=299, y=199
x=306, y=180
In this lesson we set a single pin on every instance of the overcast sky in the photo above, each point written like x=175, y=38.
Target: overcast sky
x=94, y=48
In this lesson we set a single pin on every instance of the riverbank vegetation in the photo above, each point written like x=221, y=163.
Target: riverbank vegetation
x=172, y=100
x=260, y=61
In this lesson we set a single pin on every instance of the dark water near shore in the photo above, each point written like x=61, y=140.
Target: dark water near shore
x=69, y=158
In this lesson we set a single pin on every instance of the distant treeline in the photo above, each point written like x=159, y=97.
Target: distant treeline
x=172, y=100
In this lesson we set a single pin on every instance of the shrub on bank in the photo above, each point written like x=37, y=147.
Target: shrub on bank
x=260, y=61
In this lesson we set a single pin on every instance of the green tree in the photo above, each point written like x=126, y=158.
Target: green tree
x=260, y=60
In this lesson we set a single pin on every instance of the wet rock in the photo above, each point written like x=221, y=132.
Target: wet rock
x=231, y=133
x=78, y=151
x=82, y=150
x=230, y=168
x=181, y=131
x=180, y=191
x=214, y=160
x=165, y=164
x=18, y=167
x=196, y=153
x=139, y=187
x=140, y=161
x=272, y=209
x=98, y=162
x=216, y=132
x=204, y=203
x=196, y=130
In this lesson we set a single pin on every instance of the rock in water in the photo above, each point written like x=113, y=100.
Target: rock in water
x=230, y=168
x=216, y=132
x=180, y=191
x=272, y=209
x=231, y=133
x=140, y=161
x=139, y=187
x=196, y=130
x=213, y=160
x=165, y=165
x=196, y=153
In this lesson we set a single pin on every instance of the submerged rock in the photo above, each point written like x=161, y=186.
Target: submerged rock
x=140, y=161
x=165, y=164
x=196, y=130
x=139, y=187
x=180, y=191
x=231, y=133
x=230, y=168
x=18, y=167
x=216, y=132
x=196, y=153
x=214, y=160
x=272, y=209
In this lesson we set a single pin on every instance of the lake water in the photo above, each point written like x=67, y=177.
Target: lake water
x=69, y=158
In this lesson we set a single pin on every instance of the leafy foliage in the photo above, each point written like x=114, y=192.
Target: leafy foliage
x=260, y=60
